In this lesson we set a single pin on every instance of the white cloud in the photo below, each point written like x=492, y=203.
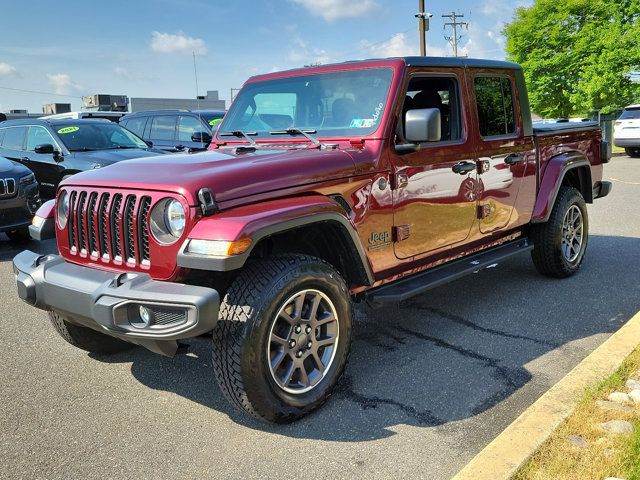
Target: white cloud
x=397, y=46
x=302, y=54
x=122, y=72
x=177, y=43
x=482, y=43
x=62, y=83
x=6, y=69
x=334, y=9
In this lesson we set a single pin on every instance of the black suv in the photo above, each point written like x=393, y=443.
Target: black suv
x=174, y=130
x=19, y=199
x=55, y=149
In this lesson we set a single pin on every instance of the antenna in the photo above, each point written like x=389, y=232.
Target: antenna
x=195, y=73
x=454, y=24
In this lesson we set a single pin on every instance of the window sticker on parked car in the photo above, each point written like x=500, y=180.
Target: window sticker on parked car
x=215, y=121
x=64, y=130
x=362, y=123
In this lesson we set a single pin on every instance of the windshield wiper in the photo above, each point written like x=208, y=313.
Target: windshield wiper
x=296, y=131
x=241, y=134
x=293, y=131
x=83, y=149
x=124, y=147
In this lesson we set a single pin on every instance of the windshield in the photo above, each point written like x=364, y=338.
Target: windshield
x=330, y=104
x=79, y=137
x=630, y=114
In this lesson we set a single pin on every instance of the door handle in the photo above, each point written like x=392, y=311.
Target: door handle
x=463, y=168
x=25, y=159
x=513, y=159
x=179, y=148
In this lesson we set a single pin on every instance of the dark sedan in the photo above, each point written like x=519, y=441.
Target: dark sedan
x=56, y=149
x=19, y=199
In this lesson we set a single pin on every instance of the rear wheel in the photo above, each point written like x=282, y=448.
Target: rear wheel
x=633, y=152
x=282, y=340
x=86, y=338
x=561, y=242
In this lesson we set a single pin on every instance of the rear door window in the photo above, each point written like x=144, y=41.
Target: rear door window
x=163, y=127
x=14, y=138
x=495, y=104
x=136, y=125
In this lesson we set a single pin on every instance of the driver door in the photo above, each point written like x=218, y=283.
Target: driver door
x=44, y=166
x=436, y=187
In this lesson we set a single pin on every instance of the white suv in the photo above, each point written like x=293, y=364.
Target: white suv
x=626, y=133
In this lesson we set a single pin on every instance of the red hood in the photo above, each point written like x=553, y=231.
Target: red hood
x=228, y=175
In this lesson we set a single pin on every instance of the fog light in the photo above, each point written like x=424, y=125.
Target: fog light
x=145, y=315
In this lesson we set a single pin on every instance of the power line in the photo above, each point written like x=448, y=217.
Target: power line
x=40, y=93
x=454, y=24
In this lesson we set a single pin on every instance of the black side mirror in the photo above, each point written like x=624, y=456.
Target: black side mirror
x=44, y=149
x=201, y=137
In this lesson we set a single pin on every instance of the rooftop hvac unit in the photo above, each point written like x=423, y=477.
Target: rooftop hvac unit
x=18, y=111
x=53, y=108
x=106, y=103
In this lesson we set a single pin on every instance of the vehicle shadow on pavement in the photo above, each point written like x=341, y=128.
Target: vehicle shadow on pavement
x=9, y=249
x=452, y=354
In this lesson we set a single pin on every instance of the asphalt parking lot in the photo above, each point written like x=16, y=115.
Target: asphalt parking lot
x=429, y=383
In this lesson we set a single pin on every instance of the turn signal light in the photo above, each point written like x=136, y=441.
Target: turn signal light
x=218, y=248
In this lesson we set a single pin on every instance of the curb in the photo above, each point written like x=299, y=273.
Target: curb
x=509, y=451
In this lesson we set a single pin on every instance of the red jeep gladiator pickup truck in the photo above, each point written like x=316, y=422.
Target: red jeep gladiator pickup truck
x=365, y=181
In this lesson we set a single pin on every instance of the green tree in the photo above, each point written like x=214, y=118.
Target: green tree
x=575, y=54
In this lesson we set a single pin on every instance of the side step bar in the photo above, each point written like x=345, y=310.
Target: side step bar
x=421, y=282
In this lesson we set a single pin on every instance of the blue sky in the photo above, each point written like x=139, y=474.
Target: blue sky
x=144, y=48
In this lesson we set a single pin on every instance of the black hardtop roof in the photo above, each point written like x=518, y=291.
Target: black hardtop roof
x=54, y=121
x=459, y=62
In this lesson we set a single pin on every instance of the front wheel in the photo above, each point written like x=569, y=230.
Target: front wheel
x=561, y=242
x=283, y=336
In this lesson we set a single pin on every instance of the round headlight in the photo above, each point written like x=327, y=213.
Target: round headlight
x=63, y=209
x=167, y=221
x=175, y=218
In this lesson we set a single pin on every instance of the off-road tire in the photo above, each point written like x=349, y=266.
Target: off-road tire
x=633, y=152
x=240, y=338
x=19, y=236
x=86, y=338
x=547, y=237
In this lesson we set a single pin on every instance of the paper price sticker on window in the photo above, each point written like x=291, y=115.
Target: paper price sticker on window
x=66, y=130
x=362, y=123
x=215, y=121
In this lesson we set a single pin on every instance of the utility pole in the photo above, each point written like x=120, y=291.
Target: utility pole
x=423, y=27
x=454, y=24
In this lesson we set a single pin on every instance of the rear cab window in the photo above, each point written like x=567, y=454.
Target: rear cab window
x=495, y=106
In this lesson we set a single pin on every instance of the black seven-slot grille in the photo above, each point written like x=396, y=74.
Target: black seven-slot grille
x=109, y=226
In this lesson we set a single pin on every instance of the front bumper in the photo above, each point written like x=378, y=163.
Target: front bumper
x=110, y=302
x=17, y=212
